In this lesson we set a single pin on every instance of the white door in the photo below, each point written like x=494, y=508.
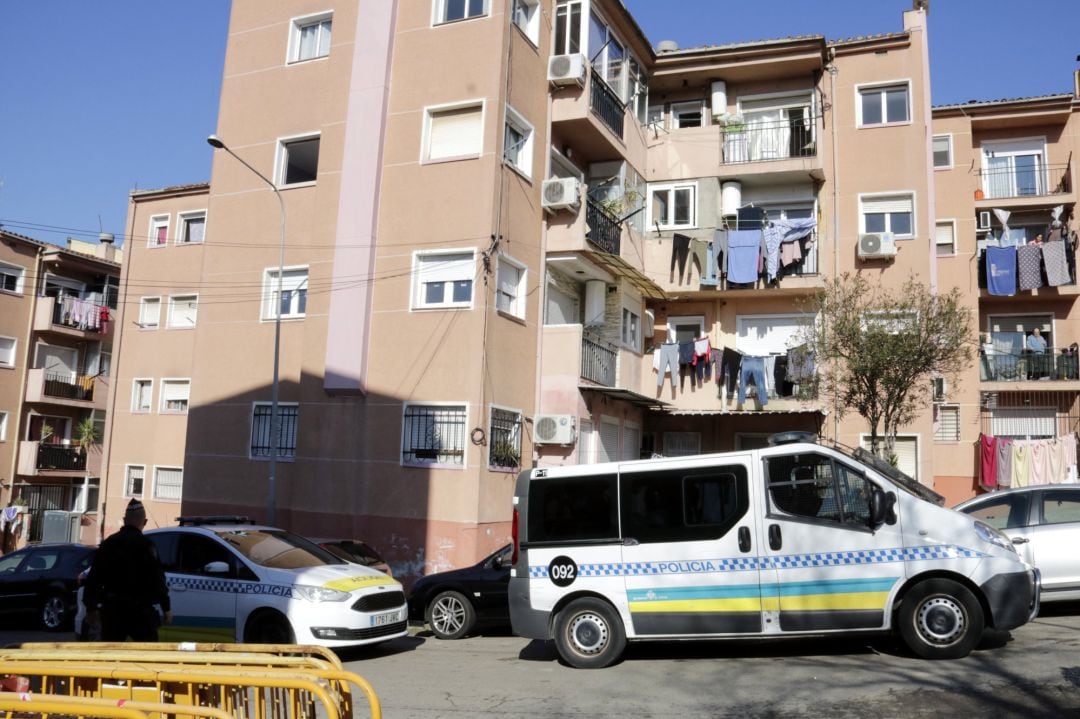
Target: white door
x=1053, y=540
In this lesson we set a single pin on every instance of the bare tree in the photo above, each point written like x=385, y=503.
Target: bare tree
x=878, y=348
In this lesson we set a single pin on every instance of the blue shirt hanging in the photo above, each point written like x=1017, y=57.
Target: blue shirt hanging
x=1001, y=271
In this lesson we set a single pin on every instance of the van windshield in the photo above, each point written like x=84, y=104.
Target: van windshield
x=898, y=478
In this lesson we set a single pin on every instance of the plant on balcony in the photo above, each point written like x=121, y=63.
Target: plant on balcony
x=87, y=435
x=505, y=454
x=47, y=431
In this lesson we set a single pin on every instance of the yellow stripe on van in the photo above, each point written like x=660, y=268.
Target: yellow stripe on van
x=739, y=604
x=350, y=584
x=848, y=600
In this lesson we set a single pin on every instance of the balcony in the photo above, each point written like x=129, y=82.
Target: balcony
x=64, y=388
x=592, y=120
x=606, y=105
x=1069, y=289
x=604, y=229
x=1024, y=181
x=770, y=141
x=74, y=317
x=575, y=359
x=1059, y=368
x=598, y=361
x=37, y=458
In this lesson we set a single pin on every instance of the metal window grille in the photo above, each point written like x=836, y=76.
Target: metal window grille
x=261, y=424
x=947, y=427
x=135, y=477
x=504, y=449
x=434, y=435
x=168, y=483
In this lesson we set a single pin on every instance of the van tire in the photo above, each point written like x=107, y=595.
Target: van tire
x=450, y=615
x=941, y=619
x=589, y=634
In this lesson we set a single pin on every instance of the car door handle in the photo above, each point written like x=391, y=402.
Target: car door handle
x=177, y=588
x=775, y=540
x=1020, y=540
x=744, y=539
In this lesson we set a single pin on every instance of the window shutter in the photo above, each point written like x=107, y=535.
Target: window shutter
x=149, y=312
x=945, y=234
x=681, y=444
x=631, y=446
x=175, y=391
x=446, y=268
x=168, y=483
x=1023, y=422
x=767, y=335
x=893, y=203
x=455, y=133
x=608, y=450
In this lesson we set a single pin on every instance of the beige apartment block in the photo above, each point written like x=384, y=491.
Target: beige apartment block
x=57, y=323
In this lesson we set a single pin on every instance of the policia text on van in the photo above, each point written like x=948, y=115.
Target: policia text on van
x=794, y=539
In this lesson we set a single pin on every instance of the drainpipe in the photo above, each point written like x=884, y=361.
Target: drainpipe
x=24, y=375
x=832, y=69
x=543, y=287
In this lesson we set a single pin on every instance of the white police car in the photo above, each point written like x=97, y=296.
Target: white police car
x=230, y=580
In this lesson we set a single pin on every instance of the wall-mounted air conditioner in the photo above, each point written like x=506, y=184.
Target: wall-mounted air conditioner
x=561, y=193
x=877, y=244
x=567, y=69
x=554, y=429
x=984, y=220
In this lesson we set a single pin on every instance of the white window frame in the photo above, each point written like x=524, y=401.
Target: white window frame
x=987, y=151
x=888, y=216
x=677, y=108
x=154, y=487
x=530, y=28
x=183, y=220
x=169, y=319
x=438, y=13
x=282, y=444
x=937, y=243
x=14, y=352
x=425, y=140
x=3, y=425
x=523, y=163
x=156, y=223
x=864, y=441
x=673, y=320
x=163, y=400
x=296, y=27
x=416, y=293
x=270, y=308
x=80, y=491
x=881, y=87
x=672, y=187
x=517, y=303
x=127, y=480
x=145, y=302
x=939, y=410
x=630, y=336
x=520, y=433
x=135, y=382
x=949, y=138
x=282, y=156
x=16, y=271
x=787, y=318
x=464, y=443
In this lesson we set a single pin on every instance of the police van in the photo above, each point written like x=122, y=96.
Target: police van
x=795, y=539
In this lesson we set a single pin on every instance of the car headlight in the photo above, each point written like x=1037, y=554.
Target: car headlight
x=319, y=594
x=994, y=536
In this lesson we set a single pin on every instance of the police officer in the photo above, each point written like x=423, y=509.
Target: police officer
x=126, y=581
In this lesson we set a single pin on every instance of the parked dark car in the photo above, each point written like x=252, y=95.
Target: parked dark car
x=454, y=603
x=357, y=552
x=41, y=581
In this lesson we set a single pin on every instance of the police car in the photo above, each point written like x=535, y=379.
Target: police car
x=231, y=580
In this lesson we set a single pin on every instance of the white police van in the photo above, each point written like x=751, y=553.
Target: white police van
x=794, y=539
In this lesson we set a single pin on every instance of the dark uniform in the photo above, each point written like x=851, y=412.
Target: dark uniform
x=125, y=582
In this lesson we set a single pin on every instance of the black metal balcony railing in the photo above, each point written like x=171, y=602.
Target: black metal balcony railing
x=1025, y=176
x=1026, y=366
x=1070, y=260
x=60, y=457
x=773, y=140
x=66, y=386
x=606, y=104
x=604, y=229
x=598, y=362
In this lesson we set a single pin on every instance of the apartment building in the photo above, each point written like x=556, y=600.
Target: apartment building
x=57, y=322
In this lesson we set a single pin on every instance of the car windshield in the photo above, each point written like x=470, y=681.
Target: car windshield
x=278, y=549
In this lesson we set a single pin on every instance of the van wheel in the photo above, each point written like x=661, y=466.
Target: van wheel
x=589, y=634
x=269, y=629
x=450, y=615
x=941, y=619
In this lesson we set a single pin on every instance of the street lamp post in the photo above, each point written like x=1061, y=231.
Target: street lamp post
x=275, y=421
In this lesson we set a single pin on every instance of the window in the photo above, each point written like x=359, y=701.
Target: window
x=687, y=114
x=159, y=231
x=85, y=495
x=947, y=423
x=562, y=307
x=942, y=152
x=168, y=483
x=682, y=444
x=182, y=311
x=298, y=161
x=444, y=279
x=11, y=278
x=3, y=426
x=816, y=487
x=631, y=329
x=883, y=105
x=7, y=351
x=1005, y=512
x=261, y=426
x=631, y=442
x=573, y=509
x=174, y=395
x=1060, y=507
x=510, y=292
x=133, y=480
x=673, y=206
x=192, y=228
x=685, y=328
x=310, y=37
x=888, y=213
x=149, y=312
x=526, y=15
x=453, y=133
x=141, y=391
x=504, y=444
x=1016, y=168
x=433, y=434
x=518, y=142
x=294, y=289
x=946, y=237
x=453, y=10
x=905, y=453
x=683, y=505
x=567, y=27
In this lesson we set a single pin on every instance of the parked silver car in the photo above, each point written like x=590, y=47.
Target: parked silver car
x=1043, y=523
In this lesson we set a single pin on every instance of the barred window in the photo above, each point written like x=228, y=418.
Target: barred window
x=133, y=481
x=504, y=446
x=947, y=423
x=289, y=415
x=433, y=434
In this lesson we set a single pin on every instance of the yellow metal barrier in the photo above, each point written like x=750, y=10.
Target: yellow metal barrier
x=39, y=704
x=285, y=650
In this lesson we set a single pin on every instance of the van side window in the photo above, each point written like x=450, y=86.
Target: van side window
x=683, y=505
x=572, y=509
x=816, y=487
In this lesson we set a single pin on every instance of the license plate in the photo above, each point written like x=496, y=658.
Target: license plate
x=380, y=620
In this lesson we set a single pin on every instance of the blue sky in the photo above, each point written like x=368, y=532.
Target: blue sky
x=119, y=94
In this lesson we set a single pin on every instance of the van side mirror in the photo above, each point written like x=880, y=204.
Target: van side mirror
x=882, y=508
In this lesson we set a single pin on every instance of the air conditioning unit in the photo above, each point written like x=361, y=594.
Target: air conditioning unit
x=940, y=389
x=554, y=429
x=880, y=244
x=567, y=70
x=560, y=193
x=984, y=220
